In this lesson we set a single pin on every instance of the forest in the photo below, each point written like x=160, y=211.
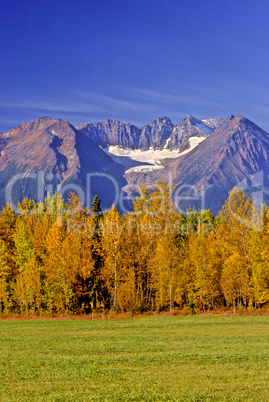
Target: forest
x=60, y=258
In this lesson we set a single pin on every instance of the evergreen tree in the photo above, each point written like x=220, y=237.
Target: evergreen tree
x=96, y=205
x=99, y=291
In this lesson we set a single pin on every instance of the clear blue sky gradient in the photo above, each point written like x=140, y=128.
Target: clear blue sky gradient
x=133, y=60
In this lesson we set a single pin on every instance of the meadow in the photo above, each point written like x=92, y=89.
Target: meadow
x=176, y=358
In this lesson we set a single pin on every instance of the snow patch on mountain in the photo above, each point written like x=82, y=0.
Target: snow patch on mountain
x=167, y=143
x=136, y=160
x=139, y=155
x=194, y=141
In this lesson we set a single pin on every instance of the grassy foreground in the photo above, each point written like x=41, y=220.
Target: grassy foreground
x=193, y=358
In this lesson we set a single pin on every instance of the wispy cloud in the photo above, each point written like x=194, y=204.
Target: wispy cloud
x=139, y=105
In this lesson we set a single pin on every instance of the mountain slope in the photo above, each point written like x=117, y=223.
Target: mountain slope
x=52, y=154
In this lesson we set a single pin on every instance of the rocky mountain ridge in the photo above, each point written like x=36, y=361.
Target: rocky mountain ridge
x=159, y=134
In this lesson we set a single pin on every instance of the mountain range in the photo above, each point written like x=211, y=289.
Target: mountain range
x=205, y=159
x=160, y=134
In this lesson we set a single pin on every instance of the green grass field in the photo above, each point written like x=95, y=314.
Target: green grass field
x=193, y=358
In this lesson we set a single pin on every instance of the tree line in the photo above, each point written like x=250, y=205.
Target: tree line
x=60, y=258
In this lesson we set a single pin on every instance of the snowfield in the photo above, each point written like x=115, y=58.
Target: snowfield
x=136, y=160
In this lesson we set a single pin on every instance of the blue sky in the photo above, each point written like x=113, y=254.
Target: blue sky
x=133, y=60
